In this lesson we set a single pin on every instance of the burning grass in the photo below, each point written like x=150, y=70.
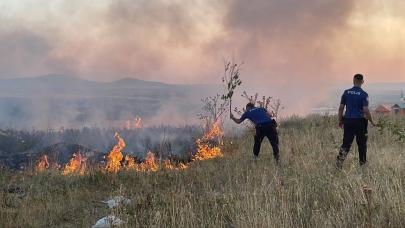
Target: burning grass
x=42, y=164
x=115, y=156
x=135, y=124
x=76, y=165
x=207, y=148
x=229, y=192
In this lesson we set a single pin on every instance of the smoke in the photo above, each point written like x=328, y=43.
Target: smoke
x=20, y=49
x=286, y=46
x=294, y=50
x=56, y=101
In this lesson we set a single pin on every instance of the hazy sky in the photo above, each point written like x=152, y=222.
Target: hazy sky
x=288, y=46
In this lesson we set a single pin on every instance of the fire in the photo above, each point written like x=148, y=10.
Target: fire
x=149, y=164
x=137, y=124
x=182, y=166
x=214, y=131
x=115, y=156
x=204, y=149
x=207, y=148
x=206, y=152
x=43, y=163
x=167, y=164
x=130, y=162
x=77, y=164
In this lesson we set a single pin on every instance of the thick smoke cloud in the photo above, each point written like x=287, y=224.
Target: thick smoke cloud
x=292, y=49
x=23, y=49
x=288, y=45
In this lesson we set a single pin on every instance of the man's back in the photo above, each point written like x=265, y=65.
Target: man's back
x=257, y=116
x=355, y=99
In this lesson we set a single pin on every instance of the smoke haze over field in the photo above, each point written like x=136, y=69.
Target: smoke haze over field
x=293, y=49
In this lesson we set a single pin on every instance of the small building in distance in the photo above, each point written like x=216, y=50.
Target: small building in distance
x=399, y=108
x=383, y=110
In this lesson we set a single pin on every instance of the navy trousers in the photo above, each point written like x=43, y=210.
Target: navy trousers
x=267, y=130
x=354, y=128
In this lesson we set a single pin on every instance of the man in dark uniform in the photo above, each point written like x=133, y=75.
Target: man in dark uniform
x=354, y=121
x=265, y=127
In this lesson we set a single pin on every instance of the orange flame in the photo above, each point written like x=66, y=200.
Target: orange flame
x=77, y=164
x=130, y=162
x=167, y=164
x=149, y=164
x=116, y=161
x=42, y=163
x=204, y=149
x=137, y=124
x=115, y=156
x=214, y=131
x=182, y=166
x=206, y=152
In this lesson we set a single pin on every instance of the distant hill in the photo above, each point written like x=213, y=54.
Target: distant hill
x=133, y=82
x=52, y=101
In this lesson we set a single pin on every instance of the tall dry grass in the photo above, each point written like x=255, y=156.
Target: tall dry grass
x=232, y=191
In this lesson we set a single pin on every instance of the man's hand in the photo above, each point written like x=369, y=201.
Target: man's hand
x=238, y=121
x=368, y=115
x=340, y=115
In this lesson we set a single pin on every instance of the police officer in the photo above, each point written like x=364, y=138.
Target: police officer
x=265, y=127
x=354, y=121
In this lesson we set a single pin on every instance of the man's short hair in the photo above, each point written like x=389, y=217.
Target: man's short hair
x=358, y=77
x=250, y=105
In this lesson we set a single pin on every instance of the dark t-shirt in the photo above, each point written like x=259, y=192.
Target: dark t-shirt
x=354, y=99
x=257, y=116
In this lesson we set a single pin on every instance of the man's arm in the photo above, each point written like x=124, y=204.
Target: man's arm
x=366, y=110
x=236, y=120
x=340, y=114
x=341, y=109
x=368, y=115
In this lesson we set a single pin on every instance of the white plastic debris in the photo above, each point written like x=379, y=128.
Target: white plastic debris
x=114, y=202
x=108, y=221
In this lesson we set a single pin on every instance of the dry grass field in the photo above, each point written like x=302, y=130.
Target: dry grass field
x=229, y=191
